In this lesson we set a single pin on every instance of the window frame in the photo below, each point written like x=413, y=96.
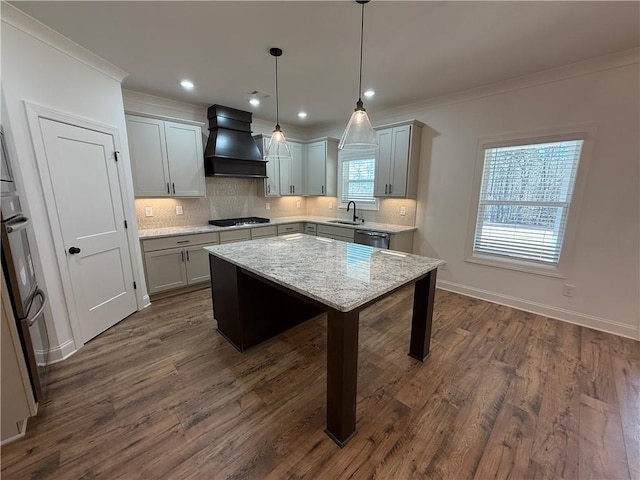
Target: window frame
x=343, y=205
x=585, y=132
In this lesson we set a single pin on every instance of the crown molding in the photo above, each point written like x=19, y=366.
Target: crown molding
x=572, y=70
x=32, y=27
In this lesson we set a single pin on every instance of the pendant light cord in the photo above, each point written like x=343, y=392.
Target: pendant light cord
x=277, y=99
x=361, y=50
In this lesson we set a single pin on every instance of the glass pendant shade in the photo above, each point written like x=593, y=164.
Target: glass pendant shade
x=278, y=148
x=359, y=134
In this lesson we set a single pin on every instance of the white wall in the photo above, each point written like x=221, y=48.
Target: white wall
x=605, y=263
x=35, y=69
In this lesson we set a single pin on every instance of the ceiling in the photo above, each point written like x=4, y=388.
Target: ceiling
x=413, y=50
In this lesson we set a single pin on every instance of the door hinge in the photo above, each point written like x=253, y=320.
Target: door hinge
x=125, y=224
x=115, y=155
x=135, y=287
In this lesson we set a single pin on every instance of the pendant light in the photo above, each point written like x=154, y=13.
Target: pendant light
x=278, y=148
x=359, y=134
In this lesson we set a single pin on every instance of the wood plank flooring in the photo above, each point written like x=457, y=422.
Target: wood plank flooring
x=505, y=394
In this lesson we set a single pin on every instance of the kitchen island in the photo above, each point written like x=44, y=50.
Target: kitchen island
x=263, y=287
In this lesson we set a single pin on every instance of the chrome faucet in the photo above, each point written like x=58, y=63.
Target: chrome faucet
x=354, y=210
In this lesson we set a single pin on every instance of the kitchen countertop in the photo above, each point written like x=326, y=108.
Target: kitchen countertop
x=341, y=275
x=173, y=231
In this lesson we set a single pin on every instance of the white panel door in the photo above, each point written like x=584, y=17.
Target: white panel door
x=383, y=162
x=296, y=168
x=400, y=163
x=186, y=161
x=147, y=147
x=84, y=176
x=316, y=168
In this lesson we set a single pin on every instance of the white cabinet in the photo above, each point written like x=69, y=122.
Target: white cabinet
x=272, y=182
x=321, y=163
x=343, y=234
x=166, y=158
x=291, y=171
x=175, y=262
x=397, y=160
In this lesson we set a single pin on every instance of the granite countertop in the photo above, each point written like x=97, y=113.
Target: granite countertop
x=173, y=231
x=341, y=275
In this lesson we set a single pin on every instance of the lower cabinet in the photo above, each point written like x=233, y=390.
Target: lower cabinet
x=175, y=262
x=337, y=233
x=289, y=228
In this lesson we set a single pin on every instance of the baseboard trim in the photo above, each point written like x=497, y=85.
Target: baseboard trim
x=577, y=318
x=62, y=352
x=23, y=430
x=146, y=301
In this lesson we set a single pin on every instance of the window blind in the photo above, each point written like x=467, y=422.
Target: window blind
x=357, y=172
x=524, y=200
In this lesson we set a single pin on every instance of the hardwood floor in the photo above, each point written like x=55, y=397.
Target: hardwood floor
x=505, y=394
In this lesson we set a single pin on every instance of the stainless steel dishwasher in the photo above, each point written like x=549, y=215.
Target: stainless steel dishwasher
x=374, y=239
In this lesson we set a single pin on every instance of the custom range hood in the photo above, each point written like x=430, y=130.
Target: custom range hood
x=231, y=150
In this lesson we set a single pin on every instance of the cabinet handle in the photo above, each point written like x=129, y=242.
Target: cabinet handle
x=174, y=188
x=294, y=189
x=386, y=187
x=183, y=241
x=389, y=189
x=182, y=255
x=268, y=188
x=290, y=188
x=323, y=189
x=168, y=189
x=188, y=256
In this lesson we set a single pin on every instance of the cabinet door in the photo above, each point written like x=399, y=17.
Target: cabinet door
x=165, y=270
x=400, y=161
x=147, y=147
x=316, y=168
x=383, y=162
x=284, y=169
x=272, y=182
x=197, y=262
x=296, y=168
x=186, y=160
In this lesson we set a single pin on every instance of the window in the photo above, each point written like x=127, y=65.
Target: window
x=356, y=178
x=524, y=201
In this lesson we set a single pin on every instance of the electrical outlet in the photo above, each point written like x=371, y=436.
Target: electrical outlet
x=267, y=206
x=330, y=205
x=148, y=211
x=298, y=204
x=568, y=290
x=444, y=268
x=403, y=211
x=178, y=209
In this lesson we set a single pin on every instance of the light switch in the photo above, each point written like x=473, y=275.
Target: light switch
x=330, y=205
x=148, y=211
x=403, y=211
x=298, y=204
x=267, y=206
x=178, y=209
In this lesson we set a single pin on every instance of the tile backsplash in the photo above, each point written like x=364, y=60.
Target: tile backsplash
x=238, y=197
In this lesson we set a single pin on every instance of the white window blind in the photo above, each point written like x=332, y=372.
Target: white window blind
x=524, y=200
x=357, y=173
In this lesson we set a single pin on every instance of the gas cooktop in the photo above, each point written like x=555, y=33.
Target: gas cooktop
x=234, y=222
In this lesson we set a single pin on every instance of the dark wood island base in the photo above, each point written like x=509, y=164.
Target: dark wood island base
x=250, y=309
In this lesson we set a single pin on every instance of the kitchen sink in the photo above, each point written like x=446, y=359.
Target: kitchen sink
x=345, y=222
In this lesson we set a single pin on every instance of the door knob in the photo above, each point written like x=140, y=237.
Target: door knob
x=74, y=250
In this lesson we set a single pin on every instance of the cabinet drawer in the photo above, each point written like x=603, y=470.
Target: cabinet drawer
x=335, y=237
x=154, y=244
x=259, y=232
x=331, y=231
x=310, y=229
x=235, y=236
x=289, y=228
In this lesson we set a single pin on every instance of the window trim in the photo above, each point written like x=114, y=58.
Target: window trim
x=343, y=205
x=582, y=131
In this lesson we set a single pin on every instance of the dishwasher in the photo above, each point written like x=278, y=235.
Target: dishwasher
x=373, y=239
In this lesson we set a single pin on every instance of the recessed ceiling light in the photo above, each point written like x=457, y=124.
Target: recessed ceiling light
x=369, y=93
x=187, y=84
x=254, y=101
x=302, y=114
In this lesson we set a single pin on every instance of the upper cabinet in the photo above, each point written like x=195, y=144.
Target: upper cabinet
x=321, y=167
x=312, y=169
x=166, y=158
x=397, y=160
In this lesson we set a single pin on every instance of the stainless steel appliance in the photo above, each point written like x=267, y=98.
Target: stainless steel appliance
x=234, y=222
x=373, y=239
x=28, y=301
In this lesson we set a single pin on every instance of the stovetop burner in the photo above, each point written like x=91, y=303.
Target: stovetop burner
x=234, y=222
